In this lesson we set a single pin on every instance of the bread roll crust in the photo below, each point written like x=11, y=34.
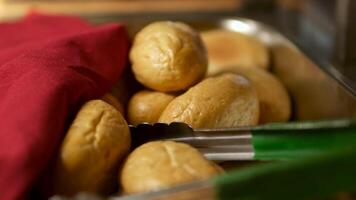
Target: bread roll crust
x=168, y=56
x=227, y=48
x=161, y=164
x=227, y=100
x=275, y=103
x=95, y=142
x=147, y=106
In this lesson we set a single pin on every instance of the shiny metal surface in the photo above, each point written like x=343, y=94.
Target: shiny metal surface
x=227, y=144
x=215, y=144
x=325, y=33
x=199, y=190
x=234, y=138
x=228, y=153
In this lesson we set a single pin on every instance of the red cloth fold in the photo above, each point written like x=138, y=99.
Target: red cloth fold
x=49, y=66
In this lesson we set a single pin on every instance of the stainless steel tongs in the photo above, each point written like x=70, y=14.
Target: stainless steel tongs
x=278, y=141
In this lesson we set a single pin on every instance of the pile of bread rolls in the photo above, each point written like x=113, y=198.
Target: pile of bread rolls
x=234, y=89
x=218, y=80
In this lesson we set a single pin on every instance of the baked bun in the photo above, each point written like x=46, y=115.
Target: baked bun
x=147, y=106
x=110, y=99
x=275, y=104
x=96, y=141
x=228, y=48
x=161, y=164
x=226, y=100
x=168, y=56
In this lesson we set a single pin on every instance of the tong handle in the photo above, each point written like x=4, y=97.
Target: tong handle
x=278, y=143
x=311, y=178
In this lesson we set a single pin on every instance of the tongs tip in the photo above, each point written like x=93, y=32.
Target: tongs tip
x=145, y=132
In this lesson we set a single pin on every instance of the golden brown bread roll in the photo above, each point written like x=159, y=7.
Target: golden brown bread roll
x=96, y=141
x=161, y=164
x=168, y=56
x=275, y=104
x=147, y=106
x=228, y=48
x=110, y=99
x=226, y=100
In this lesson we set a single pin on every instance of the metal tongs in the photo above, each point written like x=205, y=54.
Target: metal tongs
x=276, y=141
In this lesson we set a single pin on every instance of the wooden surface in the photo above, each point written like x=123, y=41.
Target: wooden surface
x=10, y=9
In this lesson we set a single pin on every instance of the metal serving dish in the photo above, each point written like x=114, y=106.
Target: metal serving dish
x=315, y=94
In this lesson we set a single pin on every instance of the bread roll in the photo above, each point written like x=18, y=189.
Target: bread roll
x=110, y=99
x=168, y=56
x=227, y=100
x=95, y=142
x=275, y=104
x=228, y=48
x=147, y=106
x=161, y=164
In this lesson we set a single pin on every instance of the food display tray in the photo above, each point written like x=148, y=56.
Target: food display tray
x=315, y=94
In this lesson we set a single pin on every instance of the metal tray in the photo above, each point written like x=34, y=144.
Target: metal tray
x=315, y=94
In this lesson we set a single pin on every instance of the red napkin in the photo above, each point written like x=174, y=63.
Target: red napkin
x=49, y=66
